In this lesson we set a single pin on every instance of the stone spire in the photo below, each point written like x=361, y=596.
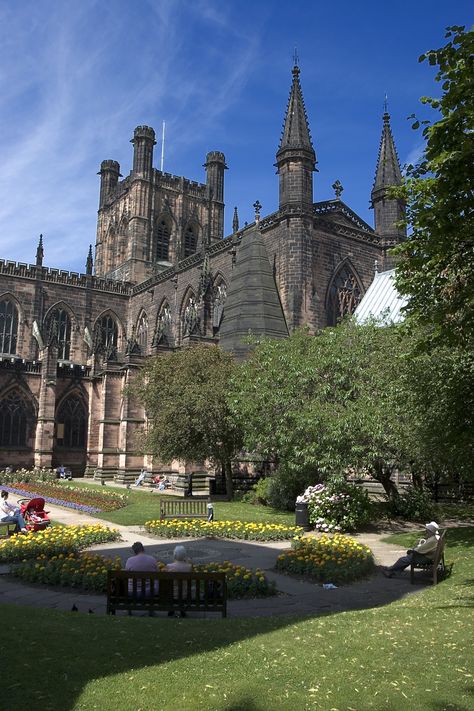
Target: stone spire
x=387, y=211
x=295, y=158
x=388, y=171
x=40, y=252
x=235, y=221
x=89, y=261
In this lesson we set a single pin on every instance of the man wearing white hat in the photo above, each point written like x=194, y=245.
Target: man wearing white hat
x=423, y=552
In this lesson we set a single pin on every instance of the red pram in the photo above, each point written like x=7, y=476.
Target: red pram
x=32, y=510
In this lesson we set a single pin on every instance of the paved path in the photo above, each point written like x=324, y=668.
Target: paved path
x=296, y=597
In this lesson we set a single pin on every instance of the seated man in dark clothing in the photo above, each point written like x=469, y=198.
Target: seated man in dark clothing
x=423, y=552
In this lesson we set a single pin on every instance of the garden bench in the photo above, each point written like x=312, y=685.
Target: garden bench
x=166, y=592
x=7, y=529
x=437, y=565
x=183, y=508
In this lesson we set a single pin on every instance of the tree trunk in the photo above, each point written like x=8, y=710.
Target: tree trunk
x=229, y=486
x=382, y=474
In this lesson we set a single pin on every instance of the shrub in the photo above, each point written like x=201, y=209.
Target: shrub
x=260, y=492
x=413, y=504
x=338, y=506
x=195, y=528
x=26, y=475
x=328, y=559
x=285, y=486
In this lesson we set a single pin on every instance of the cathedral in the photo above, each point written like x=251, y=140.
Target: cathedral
x=164, y=276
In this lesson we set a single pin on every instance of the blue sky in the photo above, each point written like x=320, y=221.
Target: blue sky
x=77, y=77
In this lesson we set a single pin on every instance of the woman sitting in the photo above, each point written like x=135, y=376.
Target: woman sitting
x=10, y=513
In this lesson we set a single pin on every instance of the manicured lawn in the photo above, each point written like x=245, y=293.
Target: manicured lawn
x=145, y=505
x=415, y=654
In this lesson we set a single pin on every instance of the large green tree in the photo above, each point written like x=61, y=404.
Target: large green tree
x=436, y=268
x=185, y=399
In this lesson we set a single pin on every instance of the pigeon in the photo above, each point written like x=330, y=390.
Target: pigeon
x=91, y=612
x=74, y=608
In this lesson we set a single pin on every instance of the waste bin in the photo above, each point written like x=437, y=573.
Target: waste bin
x=302, y=516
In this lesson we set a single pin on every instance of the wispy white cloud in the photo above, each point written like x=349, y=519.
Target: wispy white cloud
x=75, y=80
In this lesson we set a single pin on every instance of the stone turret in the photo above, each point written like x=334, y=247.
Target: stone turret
x=109, y=174
x=215, y=166
x=143, y=141
x=387, y=211
x=296, y=159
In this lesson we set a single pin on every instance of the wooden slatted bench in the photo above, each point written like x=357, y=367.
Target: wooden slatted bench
x=436, y=566
x=166, y=592
x=183, y=508
x=7, y=529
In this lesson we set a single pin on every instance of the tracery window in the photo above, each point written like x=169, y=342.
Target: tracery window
x=190, y=240
x=71, y=424
x=59, y=332
x=163, y=233
x=8, y=327
x=142, y=333
x=107, y=334
x=344, y=295
x=14, y=416
x=163, y=327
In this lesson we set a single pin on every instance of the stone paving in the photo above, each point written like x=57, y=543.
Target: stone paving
x=295, y=597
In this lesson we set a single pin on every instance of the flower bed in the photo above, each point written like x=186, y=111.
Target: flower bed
x=327, y=559
x=88, y=571
x=195, y=528
x=54, y=541
x=91, y=501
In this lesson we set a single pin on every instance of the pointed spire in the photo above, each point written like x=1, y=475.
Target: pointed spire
x=89, y=261
x=235, y=221
x=388, y=171
x=296, y=134
x=40, y=252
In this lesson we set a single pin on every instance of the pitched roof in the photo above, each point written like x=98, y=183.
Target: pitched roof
x=382, y=300
x=252, y=306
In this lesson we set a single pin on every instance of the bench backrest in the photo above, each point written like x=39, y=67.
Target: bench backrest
x=439, y=549
x=166, y=590
x=183, y=507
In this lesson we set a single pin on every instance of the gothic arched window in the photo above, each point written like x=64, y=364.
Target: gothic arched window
x=190, y=240
x=59, y=332
x=107, y=332
x=8, y=327
x=142, y=333
x=163, y=327
x=14, y=417
x=71, y=423
x=344, y=295
x=162, y=241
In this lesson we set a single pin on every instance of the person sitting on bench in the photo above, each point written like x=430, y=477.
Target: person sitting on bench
x=141, y=562
x=10, y=513
x=423, y=552
x=140, y=478
x=179, y=565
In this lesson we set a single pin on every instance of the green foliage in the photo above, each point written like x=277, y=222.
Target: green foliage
x=437, y=261
x=260, y=492
x=413, y=504
x=335, y=559
x=286, y=485
x=339, y=506
x=185, y=398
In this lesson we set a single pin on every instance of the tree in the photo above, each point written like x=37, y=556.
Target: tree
x=184, y=395
x=325, y=402
x=436, y=269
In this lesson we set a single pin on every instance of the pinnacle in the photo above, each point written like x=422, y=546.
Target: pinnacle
x=296, y=134
x=388, y=167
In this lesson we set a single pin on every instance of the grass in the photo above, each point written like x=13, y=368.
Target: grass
x=144, y=505
x=413, y=654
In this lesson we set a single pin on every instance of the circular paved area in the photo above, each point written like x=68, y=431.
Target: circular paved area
x=295, y=597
